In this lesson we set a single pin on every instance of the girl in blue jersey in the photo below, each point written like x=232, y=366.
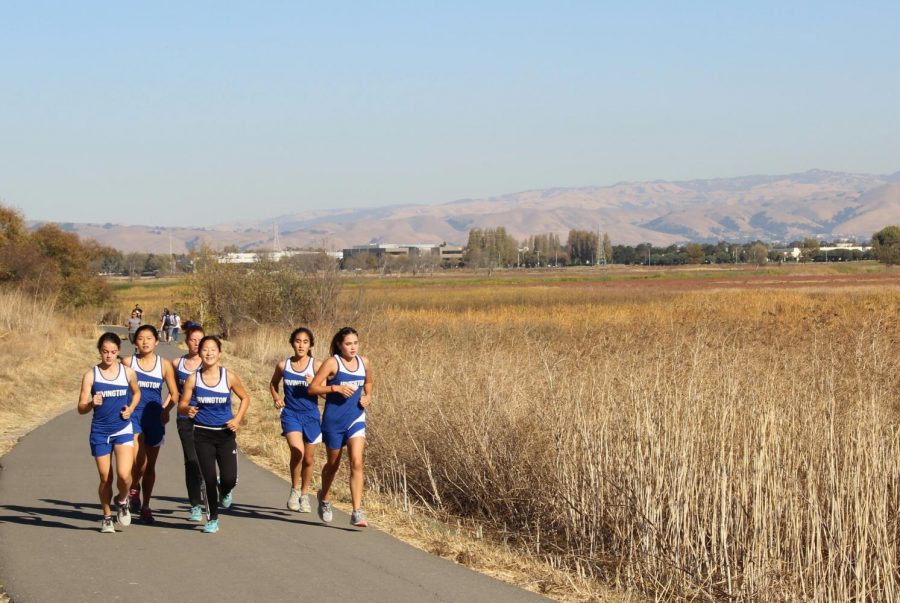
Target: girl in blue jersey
x=215, y=424
x=346, y=381
x=150, y=416
x=111, y=391
x=300, y=418
x=184, y=367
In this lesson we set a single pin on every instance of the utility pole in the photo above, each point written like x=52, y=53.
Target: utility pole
x=171, y=254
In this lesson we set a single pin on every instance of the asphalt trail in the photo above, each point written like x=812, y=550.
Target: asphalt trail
x=51, y=548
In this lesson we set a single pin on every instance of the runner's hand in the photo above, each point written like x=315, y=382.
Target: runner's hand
x=364, y=401
x=192, y=411
x=97, y=400
x=279, y=403
x=126, y=412
x=345, y=390
x=233, y=424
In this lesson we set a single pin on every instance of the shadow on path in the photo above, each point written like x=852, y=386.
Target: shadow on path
x=35, y=516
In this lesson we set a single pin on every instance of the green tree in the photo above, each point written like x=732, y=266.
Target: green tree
x=886, y=245
x=809, y=247
x=758, y=253
x=606, y=248
x=695, y=253
x=583, y=246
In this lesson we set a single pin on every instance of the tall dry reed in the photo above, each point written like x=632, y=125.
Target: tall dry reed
x=738, y=445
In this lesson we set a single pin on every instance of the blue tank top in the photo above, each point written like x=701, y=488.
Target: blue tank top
x=338, y=409
x=296, y=387
x=116, y=395
x=181, y=375
x=214, y=401
x=150, y=382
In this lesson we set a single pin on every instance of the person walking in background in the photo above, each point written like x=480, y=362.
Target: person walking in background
x=133, y=322
x=164, y=324
x=300, y=417
x=150, y=416
x=184, y=367
x=215, y=424
x=345, y=380
x=174, y=326
x=110, y=390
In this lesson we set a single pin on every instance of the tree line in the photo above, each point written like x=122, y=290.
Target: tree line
x=48, y=261
x=495, y=247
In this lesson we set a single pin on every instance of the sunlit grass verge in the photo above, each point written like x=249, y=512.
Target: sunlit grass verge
x=722, y=445
x=38, y=348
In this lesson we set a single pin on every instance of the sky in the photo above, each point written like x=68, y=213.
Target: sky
x=198, y=113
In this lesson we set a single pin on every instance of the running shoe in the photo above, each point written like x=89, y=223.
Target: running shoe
x=196, y=513
x=324, y=508
x=293, y=502
x=211, y=527
x=358, y=519
x=147, y=515
x=304, y=504
x=123, y=515
x=134, y=500
x=226, y=501
x=106, y=526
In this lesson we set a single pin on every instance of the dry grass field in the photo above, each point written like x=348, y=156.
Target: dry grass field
x=38, y=348
x=674, y=441
x=713, y=436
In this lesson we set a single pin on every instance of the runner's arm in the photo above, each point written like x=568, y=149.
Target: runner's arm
x=238, y=388
x=85, y=402
x=366, y=399
x=273, y=385
x=184, y=404
x=135, y=393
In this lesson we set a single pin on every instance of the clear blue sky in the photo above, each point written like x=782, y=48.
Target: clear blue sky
x=195, y=113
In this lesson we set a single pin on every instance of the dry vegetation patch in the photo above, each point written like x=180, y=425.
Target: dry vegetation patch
x=38, y=350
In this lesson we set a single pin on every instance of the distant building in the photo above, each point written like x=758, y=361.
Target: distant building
x=789, y=253
x=249, y=257
x=846, y=247
x=446, y=254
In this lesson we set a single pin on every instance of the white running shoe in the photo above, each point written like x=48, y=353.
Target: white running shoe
x=106, y=526
x=358, y=519
x=123, y=515
x=305, y=507
x=293, y=501
x=324, y=509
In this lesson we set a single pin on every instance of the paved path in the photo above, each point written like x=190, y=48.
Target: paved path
x=51, y=548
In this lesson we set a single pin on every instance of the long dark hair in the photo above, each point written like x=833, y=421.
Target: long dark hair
x=312, y=338
x=109, y=338
x=150, y=328
x=339, y=338
x=210, y=338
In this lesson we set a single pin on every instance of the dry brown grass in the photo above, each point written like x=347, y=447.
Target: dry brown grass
x=712, y=445
x=38, y=349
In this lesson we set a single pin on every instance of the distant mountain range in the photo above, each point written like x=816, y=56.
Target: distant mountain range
x=772, y=208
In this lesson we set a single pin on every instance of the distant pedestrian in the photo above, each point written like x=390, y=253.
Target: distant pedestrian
x=164, y=322
x=215, y=424
x=133, y=323
x=110, y=390
x=174, y=326
x=300, y=417
x=184, y=367
x=345, y=380
x=149, y=418
x=140, y=312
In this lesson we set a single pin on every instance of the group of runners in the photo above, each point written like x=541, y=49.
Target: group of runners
x=130, y=414
x=169, y=325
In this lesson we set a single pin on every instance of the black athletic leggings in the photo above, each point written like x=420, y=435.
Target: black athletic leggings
x=193, y=479
x=216, y=447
